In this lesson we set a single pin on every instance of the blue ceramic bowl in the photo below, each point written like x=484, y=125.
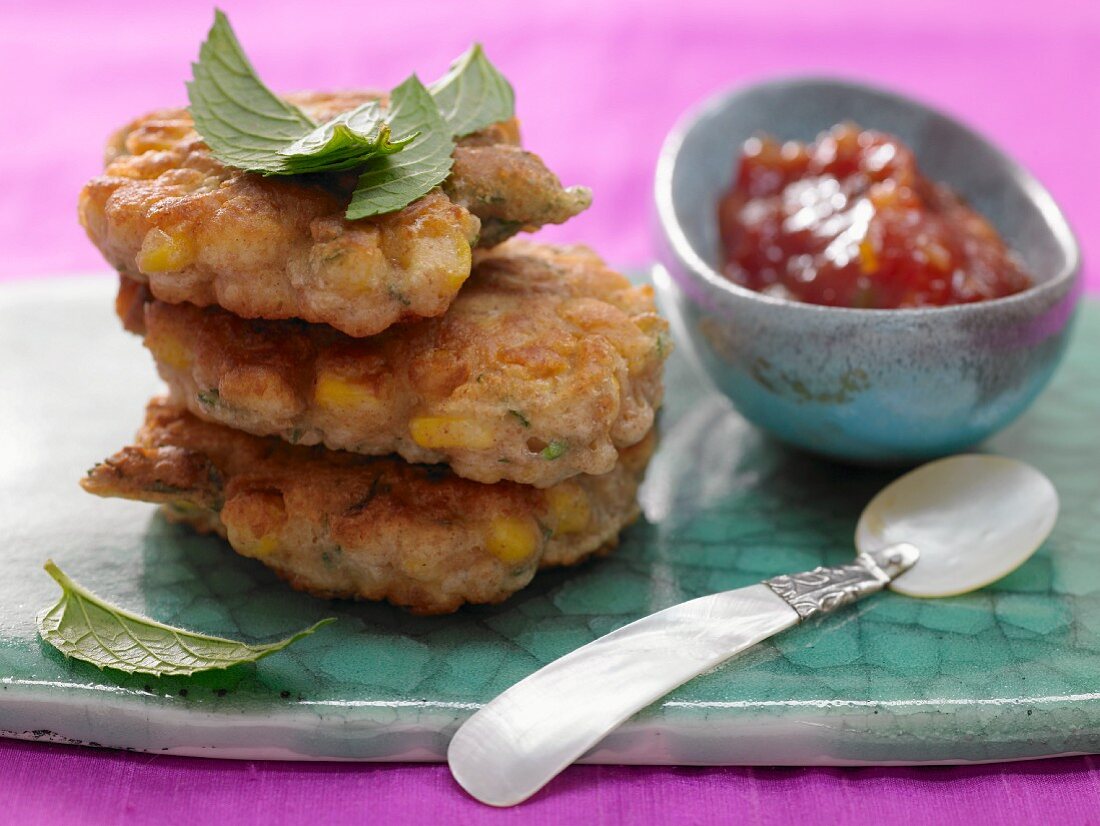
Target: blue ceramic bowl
x=880, y=386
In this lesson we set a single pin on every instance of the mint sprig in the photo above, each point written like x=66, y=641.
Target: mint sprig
x=85, y=627
x=403, y=150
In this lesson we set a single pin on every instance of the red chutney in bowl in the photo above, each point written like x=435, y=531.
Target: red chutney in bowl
x=849, y=221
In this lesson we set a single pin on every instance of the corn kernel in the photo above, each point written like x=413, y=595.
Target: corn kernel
x=170, y=351
x=246, y=543
x=438, y=432
x=263, y=546
x=512, y=539
x=457, y=277
x=161, y=252
x=181, y=507
x=338, y=393
x=569, y=508
x=254, y=521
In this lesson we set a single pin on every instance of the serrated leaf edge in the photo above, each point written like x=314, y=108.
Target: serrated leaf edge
x=384, y=174
x=495, y=105
x=72, y=589
x=220, y=38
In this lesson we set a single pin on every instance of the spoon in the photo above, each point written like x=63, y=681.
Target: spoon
x=946, y=528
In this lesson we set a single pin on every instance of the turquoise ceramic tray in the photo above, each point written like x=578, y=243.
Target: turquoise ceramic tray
x=1010, y=672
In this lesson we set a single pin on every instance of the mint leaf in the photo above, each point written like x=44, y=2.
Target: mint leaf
x=393, y=181
x=473, y=94
x=345, y=142
x=249, y=127
x=243, y=122
x=84, y=627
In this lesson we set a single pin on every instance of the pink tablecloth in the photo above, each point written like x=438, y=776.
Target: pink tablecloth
x=599, y=85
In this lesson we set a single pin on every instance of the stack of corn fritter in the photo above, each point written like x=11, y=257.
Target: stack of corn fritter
x=408, y=407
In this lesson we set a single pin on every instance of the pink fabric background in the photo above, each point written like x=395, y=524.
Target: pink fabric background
x=599, y=85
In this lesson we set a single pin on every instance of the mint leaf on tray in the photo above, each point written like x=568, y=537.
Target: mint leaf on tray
x=83, y=626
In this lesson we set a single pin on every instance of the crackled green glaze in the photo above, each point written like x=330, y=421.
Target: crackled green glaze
x=1011, y=671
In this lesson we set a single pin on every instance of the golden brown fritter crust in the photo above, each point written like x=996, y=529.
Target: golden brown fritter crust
x=509, y=189
x=547, y=364
x=337, y=524
x=166, y=212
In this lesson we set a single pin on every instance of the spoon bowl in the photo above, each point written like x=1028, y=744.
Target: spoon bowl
x=975, y=519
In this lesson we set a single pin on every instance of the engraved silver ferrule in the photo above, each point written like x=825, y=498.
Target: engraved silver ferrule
x=823, y=590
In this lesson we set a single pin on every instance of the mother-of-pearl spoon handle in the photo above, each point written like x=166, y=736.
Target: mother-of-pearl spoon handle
x=519, y=741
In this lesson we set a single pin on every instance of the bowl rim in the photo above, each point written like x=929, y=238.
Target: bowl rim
x=700, y=270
